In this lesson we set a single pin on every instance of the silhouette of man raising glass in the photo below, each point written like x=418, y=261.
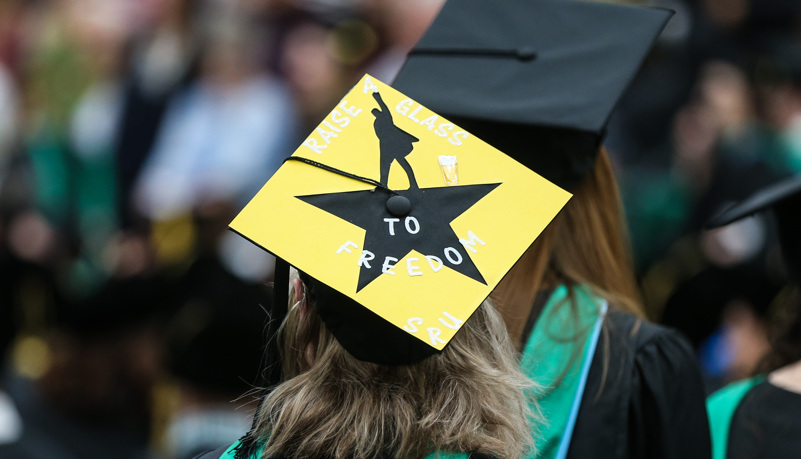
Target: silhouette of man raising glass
x=394, y=143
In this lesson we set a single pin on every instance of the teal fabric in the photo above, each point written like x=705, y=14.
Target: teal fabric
x=721, y=407
x=554, y=356
x=229, y=453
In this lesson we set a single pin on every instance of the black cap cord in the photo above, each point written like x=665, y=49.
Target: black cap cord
x=328, y=168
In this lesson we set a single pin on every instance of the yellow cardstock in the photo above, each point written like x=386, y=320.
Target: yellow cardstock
x=473, y=208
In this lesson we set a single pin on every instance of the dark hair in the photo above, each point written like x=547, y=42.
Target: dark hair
x=784, y=331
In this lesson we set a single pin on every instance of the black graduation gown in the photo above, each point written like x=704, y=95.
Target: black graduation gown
x=766, y=424
x=651, y=404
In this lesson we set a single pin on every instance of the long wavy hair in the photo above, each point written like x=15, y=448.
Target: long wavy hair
x=586, y=244
x=472, y=397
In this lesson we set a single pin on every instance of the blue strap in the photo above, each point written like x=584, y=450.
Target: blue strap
x=564, y=444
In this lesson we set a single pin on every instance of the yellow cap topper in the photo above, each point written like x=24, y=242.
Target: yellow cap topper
x=402, y=211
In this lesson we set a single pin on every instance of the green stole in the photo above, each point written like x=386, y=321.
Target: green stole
x=558, y=356
x=229, y=453
x=721, y=407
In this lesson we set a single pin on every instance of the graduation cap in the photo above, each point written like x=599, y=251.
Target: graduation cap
x=783, y=198
x=400, y=221
x=537, y=79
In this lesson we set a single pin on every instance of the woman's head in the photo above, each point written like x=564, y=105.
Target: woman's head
x=470, y=397
x=586, y=244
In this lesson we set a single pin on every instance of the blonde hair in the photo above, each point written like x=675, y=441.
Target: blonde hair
x=586, y=244
x=472, y=397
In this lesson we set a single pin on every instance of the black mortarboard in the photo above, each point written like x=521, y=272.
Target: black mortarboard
x=400, y=226
x=537, y=79
x=784, y=198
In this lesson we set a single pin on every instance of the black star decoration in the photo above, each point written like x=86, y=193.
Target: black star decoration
x=425, y=229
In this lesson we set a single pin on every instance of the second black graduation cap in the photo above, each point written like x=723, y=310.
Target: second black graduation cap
x=784, y=199
x=537, y=79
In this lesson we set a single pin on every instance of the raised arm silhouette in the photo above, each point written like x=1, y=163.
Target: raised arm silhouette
x=394, y=142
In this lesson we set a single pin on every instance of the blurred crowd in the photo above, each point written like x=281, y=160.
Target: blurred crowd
x=132, y=131
x=714, y=115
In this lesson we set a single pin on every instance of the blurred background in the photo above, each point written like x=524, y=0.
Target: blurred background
x=131, y=131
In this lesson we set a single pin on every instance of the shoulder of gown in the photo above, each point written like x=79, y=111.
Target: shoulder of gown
x=644, y=398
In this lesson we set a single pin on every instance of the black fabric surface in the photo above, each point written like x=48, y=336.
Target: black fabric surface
x=766, y=424
x=759, y=200
x=362, y=332
x=651, y=404
x=546, y=73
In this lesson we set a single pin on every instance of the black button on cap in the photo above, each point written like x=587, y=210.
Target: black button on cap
x=399, y=206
